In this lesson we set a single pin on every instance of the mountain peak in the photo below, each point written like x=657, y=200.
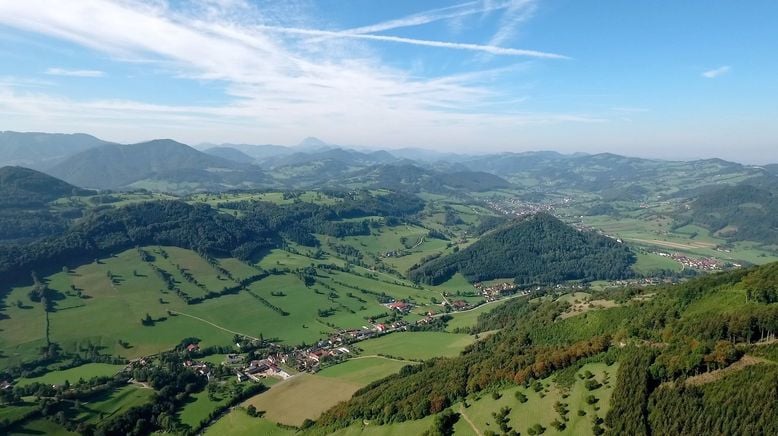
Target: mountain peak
x=312, y=141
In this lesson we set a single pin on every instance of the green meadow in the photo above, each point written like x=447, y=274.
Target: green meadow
x=648, y=263
x=468, y=319
x=363, y=370
x=102, y=303
x=40, y=427
x=239, y=423
x=417, y=345
x=72, y=375
x=199, y=407
x=406, y=428
x=113, y=403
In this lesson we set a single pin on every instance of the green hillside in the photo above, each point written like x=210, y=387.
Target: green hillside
x=708, y=334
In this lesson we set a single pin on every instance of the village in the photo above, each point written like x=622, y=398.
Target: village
x=281, y=362
x=519, y=208
x=699, y=263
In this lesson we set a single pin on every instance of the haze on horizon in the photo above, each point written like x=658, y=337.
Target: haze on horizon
x=656, y=79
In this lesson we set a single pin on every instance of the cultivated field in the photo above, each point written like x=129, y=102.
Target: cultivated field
x=305, y=396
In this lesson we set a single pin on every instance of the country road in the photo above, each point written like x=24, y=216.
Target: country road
x=214, y=325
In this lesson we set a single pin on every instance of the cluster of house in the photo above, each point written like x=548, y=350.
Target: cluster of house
x=259, y=369
x=496, y=291
x=643, y=281
x=459, y=305
x=199, y=368
x=699, y=263
x=399, y=306
x=309, y=358
x=516, y=207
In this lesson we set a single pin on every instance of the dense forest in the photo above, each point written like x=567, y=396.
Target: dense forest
x=659, y=341
x=536, y=249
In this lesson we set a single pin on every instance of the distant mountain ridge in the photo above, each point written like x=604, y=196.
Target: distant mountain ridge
x=116, y=166
x=316, y=163
x=229, y=153
x=42, y=150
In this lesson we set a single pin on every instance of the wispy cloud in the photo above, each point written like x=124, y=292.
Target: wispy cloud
x=433, y=15
x=717, y=72
x=74, y=73
x=274, y=82
x=518, y=12
x=491, y=49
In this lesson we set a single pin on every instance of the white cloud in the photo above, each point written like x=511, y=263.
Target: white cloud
x=74, y=73
x=717, y=72
x=279, y=88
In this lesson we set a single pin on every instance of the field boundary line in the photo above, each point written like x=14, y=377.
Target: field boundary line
x=467, y=418
x=214, y=325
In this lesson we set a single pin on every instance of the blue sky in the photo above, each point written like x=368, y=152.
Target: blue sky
x=662, y=79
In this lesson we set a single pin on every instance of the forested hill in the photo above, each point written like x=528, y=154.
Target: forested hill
x=741, y=212
x=23, y=187
x=662, y=337
x=536, y=249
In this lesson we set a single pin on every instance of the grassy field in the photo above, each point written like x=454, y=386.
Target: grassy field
x=72, y=375
x=304, y=396
x=417, y=345
x=363, y=370
x=465, y=320
x=238, y=423
x=199, y=407
x=40, y=427
x=12, y=413
x=541, y=409
x=648, y=263
x=457, y=282
x=92, y=308
x=104, y=406
x=407, y=428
